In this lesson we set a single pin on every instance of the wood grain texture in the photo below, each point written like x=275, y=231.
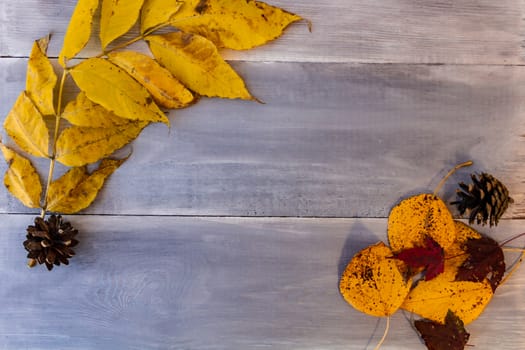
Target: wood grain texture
x=213, y=283
x=332, y=140
x=403, y=31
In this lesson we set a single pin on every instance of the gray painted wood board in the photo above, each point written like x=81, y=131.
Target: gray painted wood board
x=403, y=31
x=214, y=283
x=332, y=140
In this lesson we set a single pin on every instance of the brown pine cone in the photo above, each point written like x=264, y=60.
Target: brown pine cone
x=50, y=241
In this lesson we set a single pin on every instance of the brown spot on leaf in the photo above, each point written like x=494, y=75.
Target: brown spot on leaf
x=201, y=6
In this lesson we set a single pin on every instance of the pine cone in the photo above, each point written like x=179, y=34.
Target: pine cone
x=485, y=199
x=49, y=242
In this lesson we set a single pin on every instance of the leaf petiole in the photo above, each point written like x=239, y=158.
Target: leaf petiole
x=449, y=174
x=58, y=117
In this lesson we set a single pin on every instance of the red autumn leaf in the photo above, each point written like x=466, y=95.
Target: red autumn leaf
x=449, y=336
x=485, y=260
x=431, y=257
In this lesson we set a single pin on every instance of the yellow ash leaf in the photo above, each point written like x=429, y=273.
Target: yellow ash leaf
x=79, y=30
x=77, y=189
x=21, y=178
x=84, y=112
x=27, y=127
x=165, y=89
x=77, y=146
x=116, y=18
x=238, y=25
x=417, y=217
x=111, y=87
x=156, y=12
x=195, y=61
x=60, y=189
x=41, y=78
x=432, y=299
x=373, y=283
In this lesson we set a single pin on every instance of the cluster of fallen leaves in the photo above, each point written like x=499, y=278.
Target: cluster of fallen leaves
x=438, y=268
x=122, y=91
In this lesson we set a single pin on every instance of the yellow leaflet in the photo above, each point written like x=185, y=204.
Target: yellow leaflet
x=195, y=61
x=236, y=25
x=116, y=18
x=167, y=91
x=84, y=112
x=432, y=299
x=114, y=89
x=26, y=126
x=155, y=12
x=77, y=146
x=21, y=179
x=373, y=283
x=78, y=31
x=419, y=216
x=77, y=189
x=41, y=78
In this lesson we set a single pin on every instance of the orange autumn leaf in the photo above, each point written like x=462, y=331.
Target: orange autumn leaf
x=373, y=282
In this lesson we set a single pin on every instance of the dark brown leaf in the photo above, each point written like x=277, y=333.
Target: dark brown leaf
x=449, y=336
x=485, y=260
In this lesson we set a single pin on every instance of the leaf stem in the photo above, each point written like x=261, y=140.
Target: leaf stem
x=511, y=239
x=449, y=174
x=58, y=117
x=384, y=334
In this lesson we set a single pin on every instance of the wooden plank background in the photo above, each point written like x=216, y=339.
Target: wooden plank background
x=230, y=230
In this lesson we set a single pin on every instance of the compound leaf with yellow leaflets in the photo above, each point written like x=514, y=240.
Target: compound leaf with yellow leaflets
x=110, y=86
x=432, y=299
x=238, y=25
x=21, y=178
x=77, y=146
x=41, y=78
x=79, y=30
x=84, y=112
x=373, y=283
x=116, y=18
x=27, y=127
x=165, y=89
x=195, y=61
x=77, y=189
x=156, y=12
x=417, y=217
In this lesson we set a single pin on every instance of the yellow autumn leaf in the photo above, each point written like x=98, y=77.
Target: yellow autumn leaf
x=432, y=299
x=78, y=31
x=21, y=178
x=417, y=217
x=77, y=189
x=41, y=78
x=238, y=25
x=111, y=87
x=455, y=254
x=373, y=283
x=195, y=61
x=84, y=112
x=116, y=18
x=27, y=127
x=156, y=12
x=77, y=146
x=165, y=89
